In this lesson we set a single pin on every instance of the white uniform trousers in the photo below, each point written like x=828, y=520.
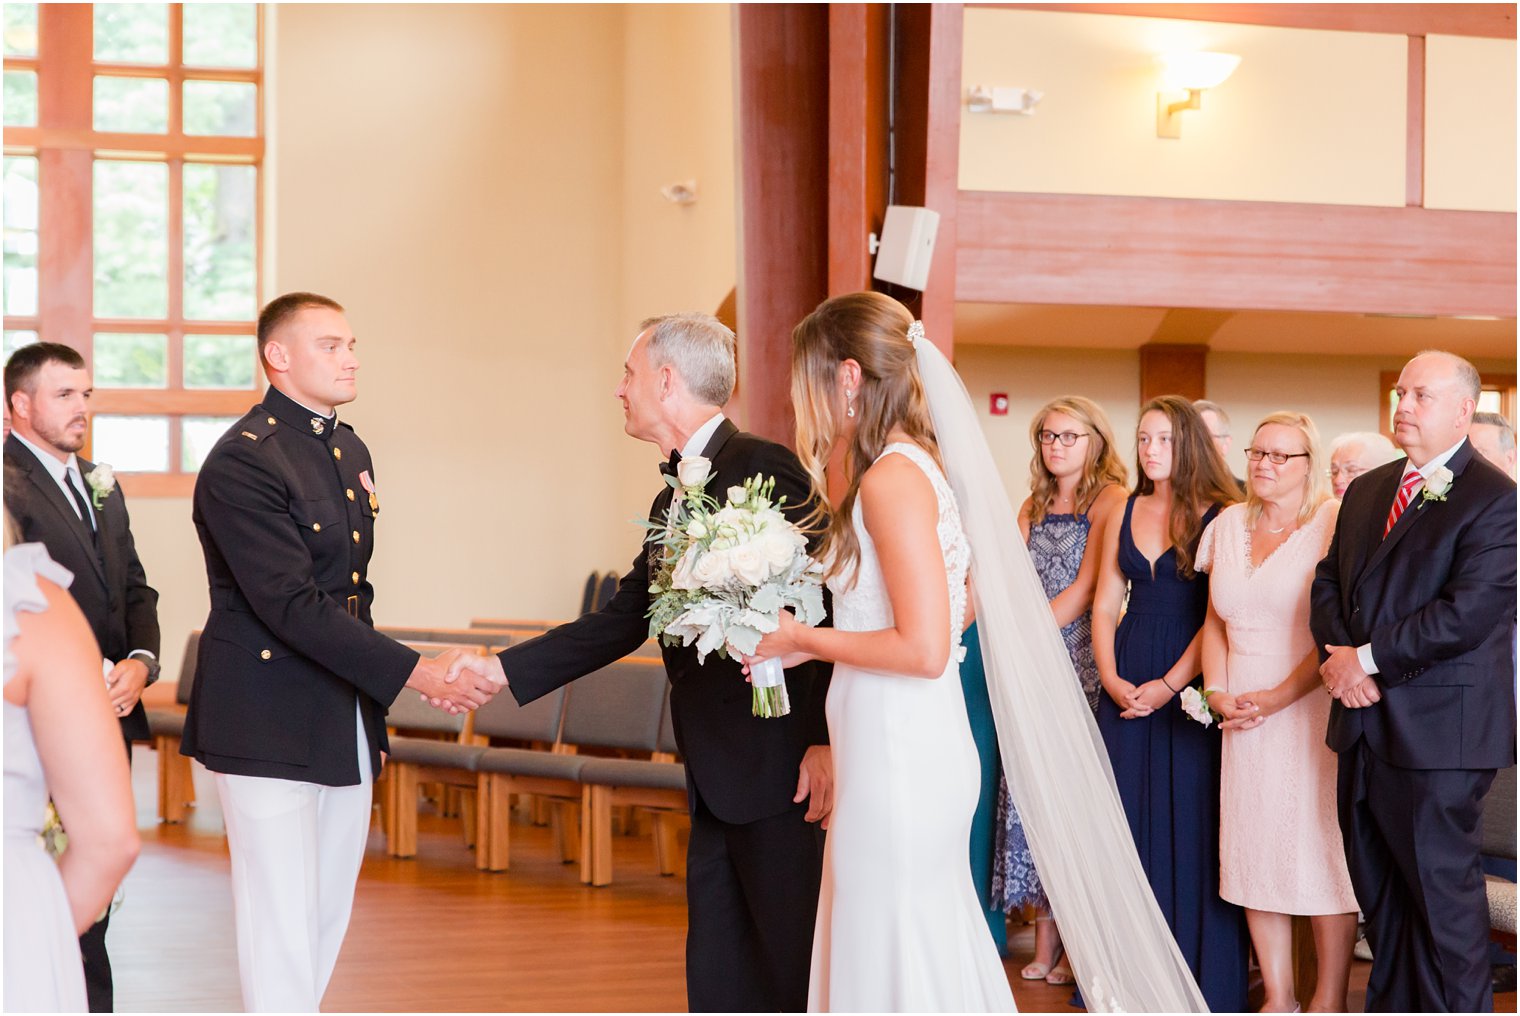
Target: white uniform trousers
x=296, y=850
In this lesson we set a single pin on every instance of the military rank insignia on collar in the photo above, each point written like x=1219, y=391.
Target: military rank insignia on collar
x=318, y=425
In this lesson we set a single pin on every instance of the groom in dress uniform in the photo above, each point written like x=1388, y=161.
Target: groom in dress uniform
x=754, y=861
x=293, y=682
x=47, y=389
x=1414, y=610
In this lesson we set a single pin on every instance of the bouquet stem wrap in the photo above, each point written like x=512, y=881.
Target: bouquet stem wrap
x=769, y=681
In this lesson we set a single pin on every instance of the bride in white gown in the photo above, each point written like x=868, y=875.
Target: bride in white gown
x=899, y=925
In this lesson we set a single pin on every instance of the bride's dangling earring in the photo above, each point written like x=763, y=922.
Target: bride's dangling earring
x=850, y=409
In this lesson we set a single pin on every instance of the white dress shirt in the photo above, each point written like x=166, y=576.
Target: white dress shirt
x=1364, y=652
x=698, y=441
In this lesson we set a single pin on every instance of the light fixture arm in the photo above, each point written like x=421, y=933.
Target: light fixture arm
x=1193, y=101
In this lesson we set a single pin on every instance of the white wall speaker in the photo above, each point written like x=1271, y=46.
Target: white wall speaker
x=907, y=246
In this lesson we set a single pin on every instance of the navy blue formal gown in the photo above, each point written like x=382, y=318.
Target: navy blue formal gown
x=1167, y=768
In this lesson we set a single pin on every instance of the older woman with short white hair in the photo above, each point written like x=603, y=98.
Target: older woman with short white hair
x=1353, y=454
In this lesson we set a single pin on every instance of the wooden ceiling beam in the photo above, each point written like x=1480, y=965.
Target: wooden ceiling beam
x=1230, y=255
x=1496, y=21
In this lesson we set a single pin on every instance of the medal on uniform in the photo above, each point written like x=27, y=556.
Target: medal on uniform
x=369, y=485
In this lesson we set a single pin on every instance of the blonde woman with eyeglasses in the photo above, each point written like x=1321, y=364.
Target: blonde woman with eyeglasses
x=1076, y=476
x=1280, y=848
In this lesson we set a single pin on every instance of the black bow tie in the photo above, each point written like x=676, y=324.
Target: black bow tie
x=668, y=467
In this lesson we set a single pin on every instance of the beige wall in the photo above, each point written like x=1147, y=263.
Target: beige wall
x=1470, y=123
x=1307, y=116
x=1032, y=377
x=1340, y=393
x=479, y=185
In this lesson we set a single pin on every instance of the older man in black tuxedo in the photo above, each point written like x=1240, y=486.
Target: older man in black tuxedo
x=1414, y=608
x=754, y=862
x=77, y=512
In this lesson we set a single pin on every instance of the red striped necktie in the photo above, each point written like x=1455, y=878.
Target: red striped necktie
x=1401, y=501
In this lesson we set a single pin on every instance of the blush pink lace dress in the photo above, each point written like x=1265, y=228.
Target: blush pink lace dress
x=1279, y=842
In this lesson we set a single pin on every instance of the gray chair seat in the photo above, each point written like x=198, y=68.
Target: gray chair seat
x=522, y=762
x=166, y=722
x=629, y=772
x=419, y=751
x=1501, y=904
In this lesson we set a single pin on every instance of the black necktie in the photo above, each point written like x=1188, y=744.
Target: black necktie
x=668, y=467
x=84, y=512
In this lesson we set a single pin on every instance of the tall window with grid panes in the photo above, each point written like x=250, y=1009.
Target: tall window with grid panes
x=132, y=214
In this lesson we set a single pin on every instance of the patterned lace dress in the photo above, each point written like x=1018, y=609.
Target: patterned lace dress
x=1056, y=545
x=1279, y=840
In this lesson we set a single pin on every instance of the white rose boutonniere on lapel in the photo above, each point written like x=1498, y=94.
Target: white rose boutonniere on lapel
x=692, y=471
x=102, y=480
x=1436, y=486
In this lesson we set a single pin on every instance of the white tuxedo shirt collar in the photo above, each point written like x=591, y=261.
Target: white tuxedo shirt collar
x=698, y=441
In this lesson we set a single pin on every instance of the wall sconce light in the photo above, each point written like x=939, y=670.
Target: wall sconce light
x=1190, y=72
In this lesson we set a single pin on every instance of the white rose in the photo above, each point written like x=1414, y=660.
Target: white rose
x=693, y=471
x=682, y=577
x=779, y=550
x=749, y=564
x=1196, y=706
x=711, y=570
x=736, y=495
x=1440, y=481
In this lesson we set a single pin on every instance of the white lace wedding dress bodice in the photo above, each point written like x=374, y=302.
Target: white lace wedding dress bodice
x=899, y=926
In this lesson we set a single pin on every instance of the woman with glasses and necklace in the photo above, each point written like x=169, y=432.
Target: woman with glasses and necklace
x=1167, y=766
x=1075, y=479
x=1280, y=845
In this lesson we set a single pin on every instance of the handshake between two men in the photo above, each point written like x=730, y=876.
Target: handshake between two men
x=456, y=681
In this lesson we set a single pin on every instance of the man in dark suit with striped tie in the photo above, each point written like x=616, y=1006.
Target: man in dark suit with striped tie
x=76, y=511
x=1414, y=610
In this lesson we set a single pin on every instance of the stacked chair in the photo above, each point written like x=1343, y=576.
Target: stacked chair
x=176, y=787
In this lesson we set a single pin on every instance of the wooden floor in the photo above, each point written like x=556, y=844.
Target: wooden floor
x=433, y=934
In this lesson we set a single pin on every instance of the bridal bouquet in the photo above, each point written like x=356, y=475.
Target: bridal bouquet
x=725, y=573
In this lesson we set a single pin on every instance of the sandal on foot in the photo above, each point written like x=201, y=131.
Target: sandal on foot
x=1060, y=976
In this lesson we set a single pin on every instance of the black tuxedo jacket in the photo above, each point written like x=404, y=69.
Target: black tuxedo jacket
x=286, y=518
x=110, y=586
x=1436, y=599
x=741, y=767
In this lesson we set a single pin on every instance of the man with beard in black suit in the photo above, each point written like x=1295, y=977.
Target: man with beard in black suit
x=74, y=508
x=758, y=787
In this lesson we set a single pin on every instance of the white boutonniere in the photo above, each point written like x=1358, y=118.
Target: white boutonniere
x=102, y=480
x=1436, y=487
x=693, y=471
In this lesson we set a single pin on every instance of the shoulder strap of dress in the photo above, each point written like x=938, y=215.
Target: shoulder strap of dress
x=912, y=452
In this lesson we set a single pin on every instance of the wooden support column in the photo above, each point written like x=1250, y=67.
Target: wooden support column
x=66, y=33
x=783, y=134
x=858, y=84
x=1172, y=369
x=928, y=124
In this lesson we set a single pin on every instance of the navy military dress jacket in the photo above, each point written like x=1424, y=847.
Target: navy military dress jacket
x=285, y=508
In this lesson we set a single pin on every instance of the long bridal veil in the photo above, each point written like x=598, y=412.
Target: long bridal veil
x=1122, y=952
